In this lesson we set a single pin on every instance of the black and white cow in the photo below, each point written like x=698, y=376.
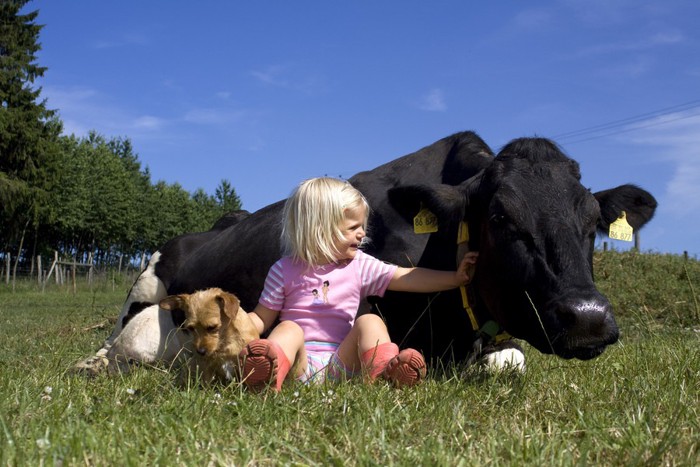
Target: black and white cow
x=525, y=211
x=151, y=286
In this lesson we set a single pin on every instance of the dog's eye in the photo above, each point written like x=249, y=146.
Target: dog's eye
x=213, y=328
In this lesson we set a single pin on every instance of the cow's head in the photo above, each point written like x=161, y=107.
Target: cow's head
x=534, y=225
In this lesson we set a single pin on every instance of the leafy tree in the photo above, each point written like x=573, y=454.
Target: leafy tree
x=174, y=214
x=226, y=197
x=205, y=210
x=28, y=130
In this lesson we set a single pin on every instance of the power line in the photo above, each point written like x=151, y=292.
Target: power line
x=628, y=121
x=627, y=130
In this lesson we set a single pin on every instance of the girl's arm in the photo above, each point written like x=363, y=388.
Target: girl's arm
x=430, y=280
x=263, y=317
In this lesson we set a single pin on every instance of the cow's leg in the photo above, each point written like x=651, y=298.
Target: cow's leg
x=506, y=355
x=146, y=291
x=149, y=338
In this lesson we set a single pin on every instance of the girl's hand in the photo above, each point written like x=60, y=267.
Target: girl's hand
x=467, y=268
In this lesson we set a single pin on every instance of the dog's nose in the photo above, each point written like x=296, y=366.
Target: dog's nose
x=201, y=351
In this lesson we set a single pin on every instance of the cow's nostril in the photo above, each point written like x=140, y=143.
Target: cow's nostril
x=587, y=317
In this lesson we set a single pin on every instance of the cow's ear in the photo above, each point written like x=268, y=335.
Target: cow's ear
x=639, y=206
x=445, y=201
x=229, y=304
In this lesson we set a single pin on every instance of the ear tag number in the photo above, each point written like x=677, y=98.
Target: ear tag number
x=620, y=229
x=425, y=222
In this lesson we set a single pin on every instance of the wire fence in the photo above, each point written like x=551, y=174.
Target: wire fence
x=65, y=273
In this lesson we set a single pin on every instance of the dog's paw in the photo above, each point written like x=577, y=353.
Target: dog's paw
x=91, y=366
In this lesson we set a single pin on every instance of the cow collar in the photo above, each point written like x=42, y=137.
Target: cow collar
x=490, y=331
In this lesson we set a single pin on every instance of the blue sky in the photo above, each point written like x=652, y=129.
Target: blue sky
x=266, y=94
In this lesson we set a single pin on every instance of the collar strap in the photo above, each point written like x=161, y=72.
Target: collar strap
x=490, y=329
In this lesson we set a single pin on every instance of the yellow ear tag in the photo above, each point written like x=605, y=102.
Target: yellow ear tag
x=463, y=233
x=425, y=222
x=620, y=229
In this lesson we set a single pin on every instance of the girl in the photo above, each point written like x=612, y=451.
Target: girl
x=316, y=289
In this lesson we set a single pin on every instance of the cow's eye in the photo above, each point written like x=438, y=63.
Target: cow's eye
x=498, y=219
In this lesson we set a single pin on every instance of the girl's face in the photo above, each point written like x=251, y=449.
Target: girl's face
x=353, y=231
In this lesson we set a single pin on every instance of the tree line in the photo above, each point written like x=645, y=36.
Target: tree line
x=79, y=196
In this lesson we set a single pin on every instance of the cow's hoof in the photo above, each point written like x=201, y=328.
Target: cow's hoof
x=91, y=366
x=504, y=356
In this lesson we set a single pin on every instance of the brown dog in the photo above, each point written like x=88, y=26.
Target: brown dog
x=218, y=329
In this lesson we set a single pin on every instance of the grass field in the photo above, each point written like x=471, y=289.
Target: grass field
x=637, y=404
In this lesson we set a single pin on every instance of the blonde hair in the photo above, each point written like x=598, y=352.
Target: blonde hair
x=312, y=218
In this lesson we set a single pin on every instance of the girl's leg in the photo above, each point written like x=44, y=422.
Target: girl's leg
x=367, y=346
x=268, y=360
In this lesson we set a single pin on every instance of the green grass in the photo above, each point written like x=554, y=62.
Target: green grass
x=637, y=404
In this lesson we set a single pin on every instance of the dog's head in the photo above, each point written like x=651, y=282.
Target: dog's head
x=207, y=315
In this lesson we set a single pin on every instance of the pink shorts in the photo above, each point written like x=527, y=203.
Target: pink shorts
x=323, y=363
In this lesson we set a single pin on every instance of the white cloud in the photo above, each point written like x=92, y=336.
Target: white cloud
x=288, y=77
x=678, y=137
x=84, y=109
x=213, y=116
x=127, y=39
x=272, y=76
x=641, y=44
x=433, y=101
x=534, y=18
x=148, y=122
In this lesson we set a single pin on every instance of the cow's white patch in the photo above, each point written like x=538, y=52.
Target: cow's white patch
x=149, y=337
x=147, y=288
x=506, y=359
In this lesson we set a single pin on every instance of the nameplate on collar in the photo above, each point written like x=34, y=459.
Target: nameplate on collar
x=620, y=229
x=425, y=222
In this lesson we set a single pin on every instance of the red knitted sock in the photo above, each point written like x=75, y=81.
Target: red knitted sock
x=374, y=360
x=264, y=363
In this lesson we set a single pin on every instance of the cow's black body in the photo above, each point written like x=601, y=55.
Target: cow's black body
x=528, y=215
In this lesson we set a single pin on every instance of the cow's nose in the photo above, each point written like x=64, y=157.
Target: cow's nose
x=589, y=317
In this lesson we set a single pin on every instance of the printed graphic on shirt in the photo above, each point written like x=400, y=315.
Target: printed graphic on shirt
x=316, y=300
x=322, y=297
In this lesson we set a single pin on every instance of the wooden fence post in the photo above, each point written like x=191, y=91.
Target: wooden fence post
x=38, y=269
x=89, y=273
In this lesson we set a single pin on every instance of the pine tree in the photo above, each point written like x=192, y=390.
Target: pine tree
x=226, y=197
x=28, y=130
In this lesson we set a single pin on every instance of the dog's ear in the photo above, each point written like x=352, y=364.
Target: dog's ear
x=229, y=304
x=175, y=304
x=172, y=302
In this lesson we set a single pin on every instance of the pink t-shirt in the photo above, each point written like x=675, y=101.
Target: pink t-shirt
x=324, y=300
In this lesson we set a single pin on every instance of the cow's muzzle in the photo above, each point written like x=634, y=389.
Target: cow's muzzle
x=587, y=327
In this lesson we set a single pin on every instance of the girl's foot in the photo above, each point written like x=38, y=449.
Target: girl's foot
x=406, y=369
x=260, y=363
